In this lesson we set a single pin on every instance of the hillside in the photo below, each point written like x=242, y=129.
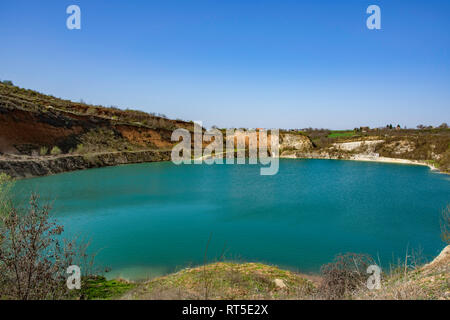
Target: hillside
x=421, y=146
x=41, y=134
x=31, y=121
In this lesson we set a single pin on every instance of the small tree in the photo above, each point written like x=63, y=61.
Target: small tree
x=32, y=259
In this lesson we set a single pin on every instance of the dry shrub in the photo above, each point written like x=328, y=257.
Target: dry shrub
x=33, y=259
x=6, y=184
x=445, y=225
x=344, y=276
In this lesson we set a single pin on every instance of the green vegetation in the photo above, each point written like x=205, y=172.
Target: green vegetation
x=98, y=288
x=80, y=149
x=427, y=144
x=26, y=99
x=226, y=280
x=431, y=146
x=55, y=151
x=68, y=124
x=43, y=151
x=345, y=278
x=340, y=134
x=7, y=82
x=101, y=140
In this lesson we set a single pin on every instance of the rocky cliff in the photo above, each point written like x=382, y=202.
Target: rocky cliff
x=294, y=143
x=41, y=134
x=26, y=167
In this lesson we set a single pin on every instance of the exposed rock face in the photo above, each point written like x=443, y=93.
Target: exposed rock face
x=31, y=122
x=26, y=168
x=23, y=132
x=354, y=145
x=42, y=135
x=248, y=138
x=280, y=283
x=294, y=142
x=400, y=147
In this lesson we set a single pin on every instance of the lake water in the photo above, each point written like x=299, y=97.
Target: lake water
x=149, y=219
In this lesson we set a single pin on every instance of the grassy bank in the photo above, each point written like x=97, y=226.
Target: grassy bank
x=226, y=280
x=254, y=281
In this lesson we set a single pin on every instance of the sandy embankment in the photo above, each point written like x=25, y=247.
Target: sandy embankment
x=367, y=155
x=370, y=155
x=362, y=157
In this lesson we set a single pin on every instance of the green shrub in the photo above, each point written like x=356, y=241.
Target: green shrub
x=55, y=151
x=80, y=149
x=98, y=288
x=43, y=151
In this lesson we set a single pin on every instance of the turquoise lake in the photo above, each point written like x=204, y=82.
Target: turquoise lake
x=150, y=219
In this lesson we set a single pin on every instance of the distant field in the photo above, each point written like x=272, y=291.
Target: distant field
x=338, y=134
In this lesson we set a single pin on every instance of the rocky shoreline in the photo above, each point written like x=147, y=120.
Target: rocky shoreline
x=29, y=167
x=361, y=157
x=292, y=147
x=21, y=168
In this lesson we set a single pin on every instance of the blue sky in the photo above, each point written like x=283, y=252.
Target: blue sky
x=254, y=63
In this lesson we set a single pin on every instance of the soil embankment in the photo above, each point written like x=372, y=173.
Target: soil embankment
x=43, y=166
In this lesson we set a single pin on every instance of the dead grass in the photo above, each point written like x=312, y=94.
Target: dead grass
x=428, y=282
x=227, y=280
x=344, y=278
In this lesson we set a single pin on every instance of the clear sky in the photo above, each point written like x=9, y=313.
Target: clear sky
x=247, y=63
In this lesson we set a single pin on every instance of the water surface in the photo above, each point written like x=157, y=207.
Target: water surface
x=151, y=219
